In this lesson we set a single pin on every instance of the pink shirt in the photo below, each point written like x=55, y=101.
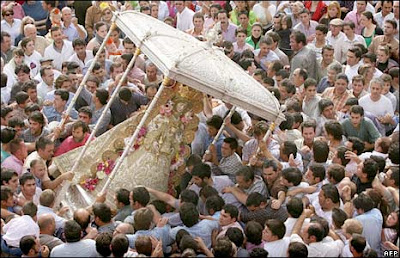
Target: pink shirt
x=356, y=18
x=13, y=163
x=69, y=144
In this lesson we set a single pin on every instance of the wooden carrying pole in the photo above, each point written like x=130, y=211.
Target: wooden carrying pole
x=221, y=129
x=78, y=91
x=135, y=134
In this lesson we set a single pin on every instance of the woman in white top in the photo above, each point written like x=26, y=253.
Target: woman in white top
x=101, y=30
x=32, y=57
x=240, y=45
x=264, y=11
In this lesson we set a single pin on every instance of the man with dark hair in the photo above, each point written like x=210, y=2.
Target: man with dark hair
x=31, y=247
x=81, y=55
x=139, y=197
x=230, y=162
x=297, y=250
x=303, y=57
x=326, y=108
x=202, y=177
x=122, y=203
x=357, y=245
x=54, y=113
x=126, y=103
x=102, y=218
x=119, y=245
x=19, y=227
x=7, y=135
x=7, y=46
x=36, y=127
x=295, y=209
x=19, y=153
x=366, y=173
x=78, y=138
x=359, y=126
x=328, y=199
x=260, y=210
x=61, y=49
x=312, y=235
x=74, y=246
x=229, y=217
x=190, y=219
x=370, y=218
x=247, y=183
x=213, y=125
x=274, y=237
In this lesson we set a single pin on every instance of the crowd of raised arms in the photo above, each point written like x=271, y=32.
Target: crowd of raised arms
x=324, y=184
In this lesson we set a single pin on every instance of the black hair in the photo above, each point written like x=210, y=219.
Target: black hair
x=189, y=214
x=202, y=170
x=295, y=207
x=292, y=175
x=140, y=195
x=189, y=196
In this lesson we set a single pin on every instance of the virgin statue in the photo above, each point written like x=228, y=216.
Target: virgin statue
x=157, y=158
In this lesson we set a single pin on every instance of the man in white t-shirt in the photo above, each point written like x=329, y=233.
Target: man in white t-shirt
x=353, y=57
x=184, y=16
x=375, y=102
x=274, y=237
x=61, y=50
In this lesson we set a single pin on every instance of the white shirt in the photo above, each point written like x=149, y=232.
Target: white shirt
x=259, y=11
x=60, y=221
x=351, y=71
x=38, y=77
x=163, y=11
x=33, y=62
x=321, y=249
x=336, y=42
x=185, y=19
x=289, y=224
x=19, y=227
x=347, y=44
x=43, y=88
x=13, y=29
x=379, y=108
x=379, y=18
x=74, y=58
x=66, y=52
x=222, y=109
x=277, y=248
x=396, y=35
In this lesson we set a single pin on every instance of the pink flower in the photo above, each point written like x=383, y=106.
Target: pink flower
x=100, y=166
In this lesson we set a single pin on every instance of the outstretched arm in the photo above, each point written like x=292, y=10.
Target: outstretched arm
x=167, y=198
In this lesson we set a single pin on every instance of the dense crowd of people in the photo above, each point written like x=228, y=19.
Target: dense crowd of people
x=324, y=184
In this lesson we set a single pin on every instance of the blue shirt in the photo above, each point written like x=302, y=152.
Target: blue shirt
x=208, y=140
x=53, y=115
x=159, y=233
x=372, y=226
x=70, y=32
x=202, y=229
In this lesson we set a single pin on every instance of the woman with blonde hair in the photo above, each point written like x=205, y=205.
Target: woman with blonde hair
x=333, y=12
x=26, y=20
x=367, y=71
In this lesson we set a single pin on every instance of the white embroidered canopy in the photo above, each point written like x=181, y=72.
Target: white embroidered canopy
x=197, y=64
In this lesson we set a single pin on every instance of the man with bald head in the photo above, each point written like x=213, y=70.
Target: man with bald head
x=82, y=217
x=47, y=226
x=123, y=228
x=70, y=27
x=40, y=42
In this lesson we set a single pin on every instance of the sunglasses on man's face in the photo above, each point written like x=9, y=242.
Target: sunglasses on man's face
x=8, y=14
